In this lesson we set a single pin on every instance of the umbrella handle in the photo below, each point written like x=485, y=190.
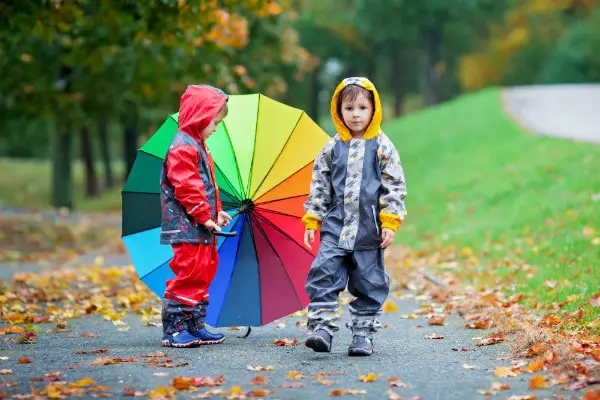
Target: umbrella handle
x=247, y=333
x=225, y=234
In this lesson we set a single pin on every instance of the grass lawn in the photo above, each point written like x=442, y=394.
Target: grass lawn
x=476, y=180
x=27, y=183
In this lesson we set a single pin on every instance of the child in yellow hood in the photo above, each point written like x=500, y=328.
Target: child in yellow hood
x=357, y=201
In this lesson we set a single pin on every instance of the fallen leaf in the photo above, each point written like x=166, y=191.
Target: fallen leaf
x=27, y=338
x=11, y=329
x=285, y=342
x=535, y=366
x=467, y=366
x=393, y=395
x=161, y=374
x=24, y=360
x=504, y=372
x=324, y=381
x=82, y=383
x=98, y=351
x=480, y=324
x=260, y=368
x=6, y=371
x=342, y=392
x=595, y=300
x=538, y=382
x=394, y=381
x=258, y=380
x=389, y=307
x=493, y=339
x=526, y=397
x=280, y=325
x=295, y=375
x=435, y=335
x=370, y=377
x=437, y=320
x=259, y=393
x=163, y=393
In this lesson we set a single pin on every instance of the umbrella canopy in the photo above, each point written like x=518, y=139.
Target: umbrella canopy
x=263, y=152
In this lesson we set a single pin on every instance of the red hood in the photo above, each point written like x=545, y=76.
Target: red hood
x=197, y=107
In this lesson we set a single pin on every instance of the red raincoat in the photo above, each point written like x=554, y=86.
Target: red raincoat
x=191, y=198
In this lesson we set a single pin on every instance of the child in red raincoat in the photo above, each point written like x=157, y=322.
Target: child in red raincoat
x=191, y=211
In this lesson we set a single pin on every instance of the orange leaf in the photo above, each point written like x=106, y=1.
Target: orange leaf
x=181, y=383
x=592, y=395
x=538, y=382
x=393, y=395
x=435, y=335
x=493, y=339
x=595, y=300
x=11, y=329
x=285, y=342
x=535, y=366
x=342, y=392
x=324, y=381
x=259, y=380
x=24, y=360
x=537, y=349
x=259, y=393
x=437, y=320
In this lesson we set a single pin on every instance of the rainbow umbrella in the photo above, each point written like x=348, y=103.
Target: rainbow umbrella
x=263, y=152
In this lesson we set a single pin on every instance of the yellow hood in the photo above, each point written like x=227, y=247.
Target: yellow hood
x=375, y=125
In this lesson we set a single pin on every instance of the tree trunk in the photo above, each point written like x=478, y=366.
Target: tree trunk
x=62, y=152
x=397, y=78
x=89, y=162
x=130, y=135
x=62, y=177
x=315, y=88
x=430, y=57
x=105, y=151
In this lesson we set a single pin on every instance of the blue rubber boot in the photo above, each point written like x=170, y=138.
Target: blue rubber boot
x=198, y=328
x=175, y=325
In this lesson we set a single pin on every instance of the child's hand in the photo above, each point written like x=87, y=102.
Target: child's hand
x=212, y=226
x=223, y=219
x=387, y=237
x=309, y=237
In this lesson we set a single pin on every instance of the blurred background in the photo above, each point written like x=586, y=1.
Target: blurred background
x=84, y=83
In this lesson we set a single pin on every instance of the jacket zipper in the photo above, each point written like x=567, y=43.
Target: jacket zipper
x=375, y=219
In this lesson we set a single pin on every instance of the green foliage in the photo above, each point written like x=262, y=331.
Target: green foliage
x=576, y=58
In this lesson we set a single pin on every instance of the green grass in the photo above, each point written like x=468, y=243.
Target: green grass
x=476, y=179
x=26, y=184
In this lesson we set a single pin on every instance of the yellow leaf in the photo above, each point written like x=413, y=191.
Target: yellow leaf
x=596, y=241
x=82, y=383
x=295, y=375
x=370, y=377
x=588, y=231
x=504, y=372
x=389, y=307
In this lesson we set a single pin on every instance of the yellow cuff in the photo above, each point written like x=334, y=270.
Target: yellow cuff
x=390, y=221
x=311, y=222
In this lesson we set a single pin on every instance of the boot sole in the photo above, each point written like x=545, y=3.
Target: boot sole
x=204, y=342
x=318, y=344
x=359, y=353
x=168, y=343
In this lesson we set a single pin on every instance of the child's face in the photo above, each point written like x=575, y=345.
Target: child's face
x=357, y=114
x=212, y=127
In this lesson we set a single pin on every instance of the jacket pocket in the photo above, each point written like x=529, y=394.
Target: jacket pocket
x=375, y=219
x=329, y=212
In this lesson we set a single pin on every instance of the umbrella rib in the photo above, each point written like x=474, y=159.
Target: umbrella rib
x=283, y=233
x=262, y=232
x=282, y=199
x=237, y=164
x=278, y=155
x=235, y=194
x=278, y=212
x=254, y=145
